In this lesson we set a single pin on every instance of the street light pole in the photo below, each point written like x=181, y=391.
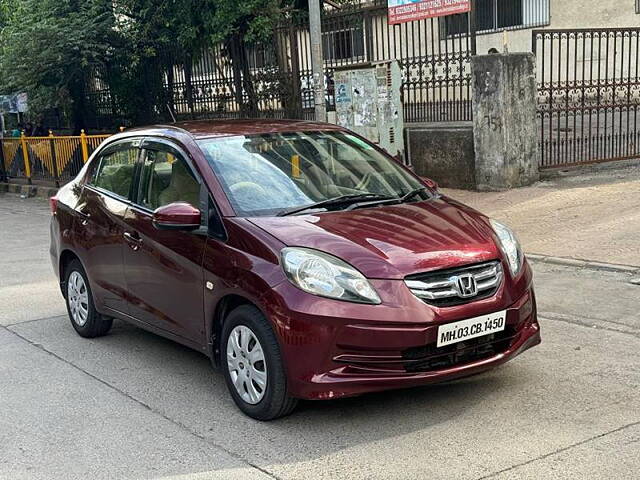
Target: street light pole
x=317, y=60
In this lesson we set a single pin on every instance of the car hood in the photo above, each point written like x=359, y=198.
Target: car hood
x=392, y=242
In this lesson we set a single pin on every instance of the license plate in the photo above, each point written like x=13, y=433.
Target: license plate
x=471, y=328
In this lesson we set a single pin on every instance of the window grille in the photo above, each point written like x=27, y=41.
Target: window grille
x=497, y=15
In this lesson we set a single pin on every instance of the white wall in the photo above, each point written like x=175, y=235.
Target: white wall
x=568, y=14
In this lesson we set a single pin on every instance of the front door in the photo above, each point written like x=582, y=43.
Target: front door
x=101, y=211
x=163, y=268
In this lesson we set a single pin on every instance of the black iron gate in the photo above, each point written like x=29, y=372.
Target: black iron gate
x=238, y=79
x=588, y=95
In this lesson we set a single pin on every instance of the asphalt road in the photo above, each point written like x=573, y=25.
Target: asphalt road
x=133, y=405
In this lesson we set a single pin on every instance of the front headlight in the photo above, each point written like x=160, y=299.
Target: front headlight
x=325, y=275
x=510, y=246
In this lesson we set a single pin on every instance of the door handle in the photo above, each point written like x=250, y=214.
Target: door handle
x=134, y=241
x=85, y=216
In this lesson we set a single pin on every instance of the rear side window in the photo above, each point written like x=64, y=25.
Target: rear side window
x=115, y=171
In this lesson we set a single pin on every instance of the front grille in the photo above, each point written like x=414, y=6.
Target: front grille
x=442, y=289
x=429, y=357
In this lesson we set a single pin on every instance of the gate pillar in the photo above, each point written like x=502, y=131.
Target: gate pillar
x=504, y=120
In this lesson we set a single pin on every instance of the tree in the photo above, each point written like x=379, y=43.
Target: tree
x=55, y=49
x=49, y=47
x=185, y=29
x=157, y=34
x=5, y=12
x=240, y=25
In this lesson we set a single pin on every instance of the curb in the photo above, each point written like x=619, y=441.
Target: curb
x=29, y=191
x=588, y=264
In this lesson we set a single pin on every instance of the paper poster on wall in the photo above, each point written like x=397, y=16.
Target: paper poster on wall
x=402, y=11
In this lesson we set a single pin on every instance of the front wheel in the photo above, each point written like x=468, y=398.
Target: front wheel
x=253, y=367
x=82, y=312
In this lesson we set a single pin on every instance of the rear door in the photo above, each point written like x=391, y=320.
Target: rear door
x=163, y=268
x=100, y=223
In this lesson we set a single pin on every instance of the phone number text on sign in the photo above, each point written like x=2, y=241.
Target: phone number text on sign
x=401, y=11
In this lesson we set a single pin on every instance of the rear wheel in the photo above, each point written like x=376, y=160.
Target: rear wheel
x=82, y=313
x=253, y=367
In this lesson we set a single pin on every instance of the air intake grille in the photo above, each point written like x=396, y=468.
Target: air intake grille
x=429, y=358
x=447, y=288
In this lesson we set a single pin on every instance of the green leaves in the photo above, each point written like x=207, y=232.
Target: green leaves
x=47, y=47
x=59, y=50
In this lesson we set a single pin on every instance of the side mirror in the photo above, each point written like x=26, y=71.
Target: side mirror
x=177, y=216
x=433, y=185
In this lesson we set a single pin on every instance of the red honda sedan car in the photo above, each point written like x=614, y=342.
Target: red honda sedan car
x=303, y=260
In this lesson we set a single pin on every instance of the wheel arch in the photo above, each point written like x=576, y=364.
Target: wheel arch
x=66, y=257
x=225, y=305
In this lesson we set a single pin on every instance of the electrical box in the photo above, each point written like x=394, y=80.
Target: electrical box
x=368, y=102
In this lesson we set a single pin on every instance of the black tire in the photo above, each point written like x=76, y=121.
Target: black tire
x=96, y=325
x=276, y=401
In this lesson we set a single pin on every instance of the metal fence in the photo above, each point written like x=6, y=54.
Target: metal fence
x=589, y=95
x=50, y=159
x=235, y=79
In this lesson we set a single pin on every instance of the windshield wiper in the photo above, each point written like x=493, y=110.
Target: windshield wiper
x=387, y=201
x=333, y=202
x=411, y=194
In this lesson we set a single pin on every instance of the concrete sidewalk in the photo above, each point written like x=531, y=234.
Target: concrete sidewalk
x=593, y=216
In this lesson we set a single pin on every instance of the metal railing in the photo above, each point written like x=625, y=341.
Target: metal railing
x=236, y=79
x=588, y=95
x=51, y=159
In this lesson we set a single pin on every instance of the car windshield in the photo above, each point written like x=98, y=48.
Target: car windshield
x=272, y=174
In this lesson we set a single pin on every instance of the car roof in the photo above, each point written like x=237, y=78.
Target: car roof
x=200, y=129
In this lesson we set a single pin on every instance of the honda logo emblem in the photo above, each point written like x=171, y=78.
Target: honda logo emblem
x=465, y=285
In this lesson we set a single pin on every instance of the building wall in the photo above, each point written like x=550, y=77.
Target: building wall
x=437, y=71
x=568, y=14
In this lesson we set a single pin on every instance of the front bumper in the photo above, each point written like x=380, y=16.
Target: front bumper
x=350, y=381
x=336, y=349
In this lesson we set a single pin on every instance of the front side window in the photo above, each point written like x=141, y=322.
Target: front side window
x=115, y=171
x=272, y=173
x=166, y=178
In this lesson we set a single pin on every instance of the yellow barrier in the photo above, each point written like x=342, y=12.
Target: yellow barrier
x=10, y=147
x=48, y=158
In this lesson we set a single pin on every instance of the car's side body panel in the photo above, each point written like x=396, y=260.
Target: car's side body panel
x=98, y=237
x=164, y=277
x=245, y=265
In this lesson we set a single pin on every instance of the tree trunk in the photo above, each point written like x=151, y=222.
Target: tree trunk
x=79, y=105
x=252, y=103
x=149, y=94
x=170, y=90
x=242, y=77
x=293, y=105
x=232, y=48
x=188, y=77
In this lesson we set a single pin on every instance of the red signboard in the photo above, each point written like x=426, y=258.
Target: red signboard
x=401, y=11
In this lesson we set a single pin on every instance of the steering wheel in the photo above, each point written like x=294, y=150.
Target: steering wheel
x=248, y=190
